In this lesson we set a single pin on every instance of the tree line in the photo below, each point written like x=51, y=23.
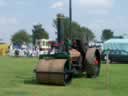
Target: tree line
x=78, y=32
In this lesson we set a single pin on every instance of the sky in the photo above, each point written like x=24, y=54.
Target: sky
x=94, y=14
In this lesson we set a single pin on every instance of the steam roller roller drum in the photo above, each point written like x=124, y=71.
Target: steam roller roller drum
x=53, y=71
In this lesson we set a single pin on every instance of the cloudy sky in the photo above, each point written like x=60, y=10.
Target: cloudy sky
x=95, y=14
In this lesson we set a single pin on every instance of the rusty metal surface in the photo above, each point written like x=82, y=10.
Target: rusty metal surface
x=52, y=65
x=47, y=78
x=90, y=55
x=74, y=54
x=51, y=71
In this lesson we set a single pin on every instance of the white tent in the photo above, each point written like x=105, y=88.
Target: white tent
x=120, y=44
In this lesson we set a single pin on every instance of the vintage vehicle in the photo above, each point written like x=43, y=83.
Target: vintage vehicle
x=116, y=55
x=70, y=57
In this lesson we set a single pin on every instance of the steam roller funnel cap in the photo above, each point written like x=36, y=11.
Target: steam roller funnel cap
x=61, y=16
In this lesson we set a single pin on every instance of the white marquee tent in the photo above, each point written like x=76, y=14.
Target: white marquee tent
x=120, y=44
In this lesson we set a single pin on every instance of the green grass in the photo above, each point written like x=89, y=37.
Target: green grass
x=17, y=79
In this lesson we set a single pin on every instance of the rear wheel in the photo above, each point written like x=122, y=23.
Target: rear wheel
x=93, y=63
x=95, y=71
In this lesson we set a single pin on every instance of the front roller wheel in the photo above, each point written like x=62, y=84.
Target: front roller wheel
x=53, y=72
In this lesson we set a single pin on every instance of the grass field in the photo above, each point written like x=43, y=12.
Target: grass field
x=17, y=79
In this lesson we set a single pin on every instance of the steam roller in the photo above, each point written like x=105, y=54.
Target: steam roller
x=70, y=57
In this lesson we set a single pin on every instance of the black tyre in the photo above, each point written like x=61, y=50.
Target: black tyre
x=93, y=63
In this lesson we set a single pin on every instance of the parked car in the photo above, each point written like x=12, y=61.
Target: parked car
x=116, y=56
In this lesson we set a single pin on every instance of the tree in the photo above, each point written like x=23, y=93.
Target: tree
x=107, y=34
x=78, y=32
x=20, y=37
x=39, y=33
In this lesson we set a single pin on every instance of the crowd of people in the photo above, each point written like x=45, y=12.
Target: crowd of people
x=23, y=51
x=30, y=52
